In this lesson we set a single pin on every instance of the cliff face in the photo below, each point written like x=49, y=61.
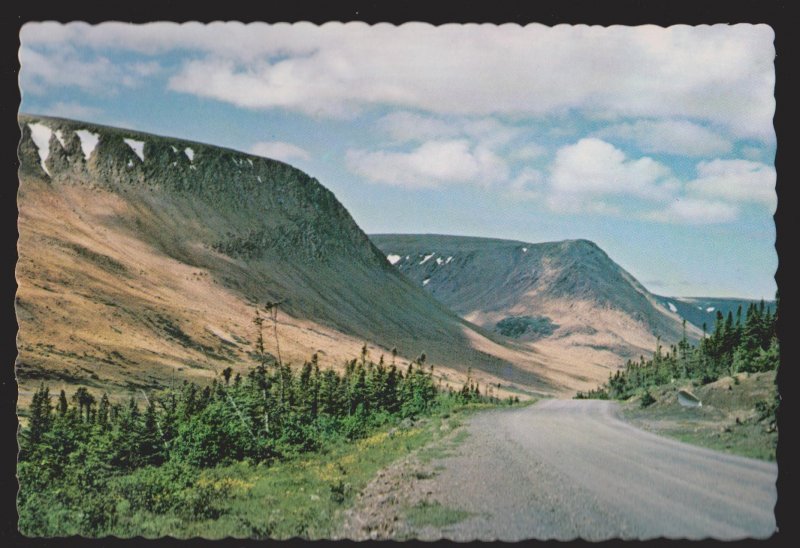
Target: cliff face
x=282, y=209
x=142, y=259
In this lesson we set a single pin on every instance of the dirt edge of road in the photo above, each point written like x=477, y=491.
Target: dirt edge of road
x=380, y=511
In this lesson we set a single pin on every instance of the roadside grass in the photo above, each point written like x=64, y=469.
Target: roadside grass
x=434, y=514
x=746, y=440
x=728, y=421
x=304, y=497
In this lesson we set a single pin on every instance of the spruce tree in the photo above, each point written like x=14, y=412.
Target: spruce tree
x=62, y=403
x=40, y=417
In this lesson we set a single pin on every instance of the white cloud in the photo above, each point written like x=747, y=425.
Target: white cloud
x=720, y=74
x=64, y=67
x=680, y=137
x=432, y=164
x=694, y=212
x=278, y=150
x=594, y=176
x=591, y=167
x=736, y=181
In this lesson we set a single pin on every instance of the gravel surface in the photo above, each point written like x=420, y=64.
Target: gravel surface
x=565, y=469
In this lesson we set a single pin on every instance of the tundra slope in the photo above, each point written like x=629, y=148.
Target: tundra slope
x=568, y=298
x=141, y=259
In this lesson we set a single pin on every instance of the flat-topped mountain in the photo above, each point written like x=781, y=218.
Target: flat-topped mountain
x=142, y=258
x=567, y=295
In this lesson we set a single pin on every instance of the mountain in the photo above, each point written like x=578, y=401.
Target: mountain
x=703, y=310
x=562, y=298
x=142, y=258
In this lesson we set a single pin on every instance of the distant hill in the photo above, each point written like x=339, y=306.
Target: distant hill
x=703, y=310
x=141, y=259
x=564, y=297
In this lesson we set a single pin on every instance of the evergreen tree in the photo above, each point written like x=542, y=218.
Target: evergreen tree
x=62, y=403
x=104, y=412
x=40, y=417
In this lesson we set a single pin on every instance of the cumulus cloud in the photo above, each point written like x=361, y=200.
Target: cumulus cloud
x=680, y=137
x=736, y=181
x=430, y=165
x=695, y=212
x=592, y=168
x=278, y=150
x=720, y=74
x=594, y=176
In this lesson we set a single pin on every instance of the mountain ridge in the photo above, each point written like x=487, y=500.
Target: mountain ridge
x=564, y=286
x=148, y=241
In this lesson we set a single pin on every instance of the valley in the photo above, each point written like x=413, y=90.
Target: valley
x=146, y=263
x=340, y=278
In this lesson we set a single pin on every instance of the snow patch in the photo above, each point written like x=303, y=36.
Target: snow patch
x=173, y=148
x=393, y=258
x=190, y=153
x=426, y=258
x=89, y=141
x=439, y=261
x=448, y=260
x=710, y=309
x=425, y=281
x=136, y=146
x=259, y=179
x=524, y=249
x=250, y=161
x=41, y=134
x=60, y=137
x=672, y=307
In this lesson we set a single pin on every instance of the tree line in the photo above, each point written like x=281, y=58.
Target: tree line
x=81, y=456
x=738, y=344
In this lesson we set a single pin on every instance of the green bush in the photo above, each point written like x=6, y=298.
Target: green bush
x=157, y=489
x=86, y=466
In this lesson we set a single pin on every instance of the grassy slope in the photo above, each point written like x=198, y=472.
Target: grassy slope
x=714, y=425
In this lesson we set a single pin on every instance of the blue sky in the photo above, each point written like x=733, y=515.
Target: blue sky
x=655, y=143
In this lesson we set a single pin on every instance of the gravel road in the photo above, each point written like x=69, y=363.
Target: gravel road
x=565, y=469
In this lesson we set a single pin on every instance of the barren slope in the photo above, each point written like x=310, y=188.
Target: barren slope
x=141, y=259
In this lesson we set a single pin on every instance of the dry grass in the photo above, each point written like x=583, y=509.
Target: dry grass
x=101, y=304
